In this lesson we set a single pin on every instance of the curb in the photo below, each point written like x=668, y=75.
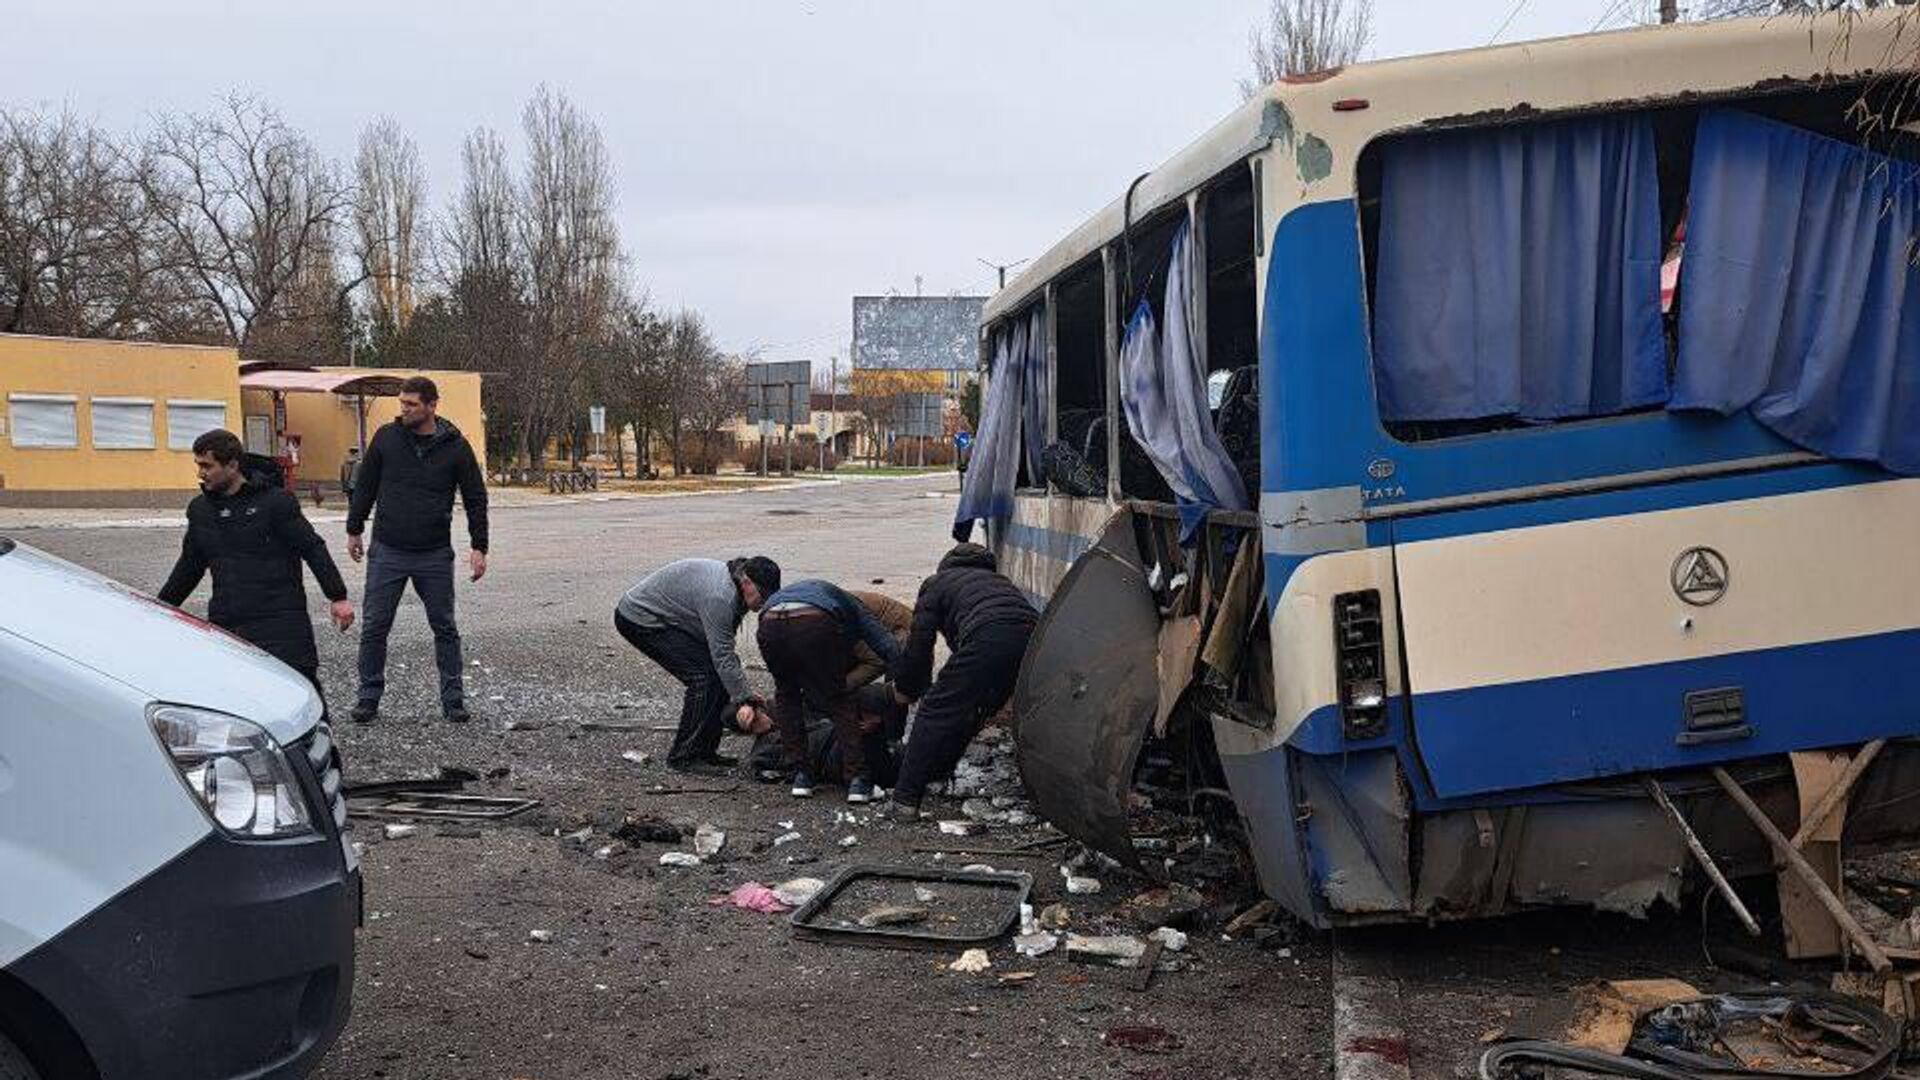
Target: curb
x=1369, y=1042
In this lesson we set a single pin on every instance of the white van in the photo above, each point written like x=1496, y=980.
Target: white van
x=177, y=898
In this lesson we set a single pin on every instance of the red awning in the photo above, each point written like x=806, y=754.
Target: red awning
x=322, y=382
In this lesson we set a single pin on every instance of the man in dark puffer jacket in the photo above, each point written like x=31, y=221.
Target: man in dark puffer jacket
x=254, y=538
x=987, y=622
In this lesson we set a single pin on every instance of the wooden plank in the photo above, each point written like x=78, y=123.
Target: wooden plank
x=1808, y=931
x=1797, y=863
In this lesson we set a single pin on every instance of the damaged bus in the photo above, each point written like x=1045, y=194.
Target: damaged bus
x=1446, y=448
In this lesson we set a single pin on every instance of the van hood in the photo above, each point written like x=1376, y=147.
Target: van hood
x=161, y=651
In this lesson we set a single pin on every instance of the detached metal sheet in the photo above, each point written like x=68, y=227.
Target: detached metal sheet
x=1087, y=693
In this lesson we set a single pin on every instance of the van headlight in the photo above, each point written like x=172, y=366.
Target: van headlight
x=236, y=771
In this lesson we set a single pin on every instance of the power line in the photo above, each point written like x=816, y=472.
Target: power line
x=1613, y=12
x=1518, y=7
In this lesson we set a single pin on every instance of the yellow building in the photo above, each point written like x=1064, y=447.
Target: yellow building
x=108, y=423
x=112, y=423
x=328, y=409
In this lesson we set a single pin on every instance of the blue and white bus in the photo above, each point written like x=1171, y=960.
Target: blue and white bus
x=1458, y=442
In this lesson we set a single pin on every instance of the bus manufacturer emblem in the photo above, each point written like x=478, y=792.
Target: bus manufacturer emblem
x=1380, y=468
x=1699, y=576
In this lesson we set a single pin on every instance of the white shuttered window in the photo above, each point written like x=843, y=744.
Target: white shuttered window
x=188, y=420
x=43, y=420
x=122, y=423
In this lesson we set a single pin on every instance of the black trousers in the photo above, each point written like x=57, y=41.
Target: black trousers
x=703, y=708
x=808, y=654
x=975, y=682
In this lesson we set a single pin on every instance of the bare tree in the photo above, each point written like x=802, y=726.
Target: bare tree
x=81, y=253
x=390, y=185
x=1730, y=9
x=572, y=252
x=1305, y=36
x=251, y=205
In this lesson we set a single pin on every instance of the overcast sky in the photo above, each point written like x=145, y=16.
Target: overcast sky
x=773, y=158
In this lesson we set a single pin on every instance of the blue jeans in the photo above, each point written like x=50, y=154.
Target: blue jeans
x=388, y=572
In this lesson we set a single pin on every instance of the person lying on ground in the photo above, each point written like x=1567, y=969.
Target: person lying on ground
x=686, y=617
x=768, y=754
x=807, y=633
x=882, y=723
x=986, y=622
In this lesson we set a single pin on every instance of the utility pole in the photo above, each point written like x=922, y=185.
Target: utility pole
x=1669, y=11
x=999, y=268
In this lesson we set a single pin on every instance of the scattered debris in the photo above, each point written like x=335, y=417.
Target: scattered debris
x=798, y=891
x=1148, y=963
x=401, y=832
x=459, y=774
x=754, y=896
x=1142, y=1038
x=1119, y=951
x=1174, y=940
x=924, y=895
x=1079, y=886
x=680, y=858
x=541, y=936
x=893, y=915
x=612, y=725
x=477, y=954
x=1035, y=945
x=971, y=962
x=785, y=838
x=1055, y=917
x=579, y=836
x=959, y=828
x=608, y=851
x=647, y=830
x=520, y=725
x=978, y=868
x=849, y=840
x=708, y=840
x=1171, y=905
x=636, y=756
x=1015, y=978
x=1771, y=1032
x=1253, y=916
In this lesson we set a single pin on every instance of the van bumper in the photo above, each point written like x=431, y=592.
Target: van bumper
x=234, y=960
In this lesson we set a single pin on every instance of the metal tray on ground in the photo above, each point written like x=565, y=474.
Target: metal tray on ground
x=992, y=913
x=437, y=804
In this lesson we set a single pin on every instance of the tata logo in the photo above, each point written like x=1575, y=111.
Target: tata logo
x=1699, y=576
x=1380, y=468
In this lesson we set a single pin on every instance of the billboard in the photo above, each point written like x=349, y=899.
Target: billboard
x=779, y=392
x=916, y=333
x=919, y=416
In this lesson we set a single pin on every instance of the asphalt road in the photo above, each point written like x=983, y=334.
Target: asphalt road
x=642, y=977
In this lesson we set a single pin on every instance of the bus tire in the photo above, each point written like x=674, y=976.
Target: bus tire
x=13, y=1062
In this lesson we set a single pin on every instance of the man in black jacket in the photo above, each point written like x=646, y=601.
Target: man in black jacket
x=411, y=469
x=253, y=538
x=987, y=622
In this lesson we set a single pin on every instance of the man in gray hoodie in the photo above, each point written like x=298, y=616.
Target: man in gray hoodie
x=685, y=617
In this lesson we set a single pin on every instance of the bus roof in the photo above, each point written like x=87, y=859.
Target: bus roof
x=1487, y=85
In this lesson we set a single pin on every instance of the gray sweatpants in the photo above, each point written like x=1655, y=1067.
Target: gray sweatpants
x=388, y=572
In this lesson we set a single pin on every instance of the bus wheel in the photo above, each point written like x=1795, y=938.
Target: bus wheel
x=13, y=1062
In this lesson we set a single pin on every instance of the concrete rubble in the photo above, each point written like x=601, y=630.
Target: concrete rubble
x=971, y=962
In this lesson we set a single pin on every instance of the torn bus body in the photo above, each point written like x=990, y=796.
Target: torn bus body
x=1601, y=474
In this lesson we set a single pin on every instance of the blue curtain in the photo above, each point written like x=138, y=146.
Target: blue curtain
x=994, y=467
x=1164, y=396
x=1519, y=273
x=1795, y=289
